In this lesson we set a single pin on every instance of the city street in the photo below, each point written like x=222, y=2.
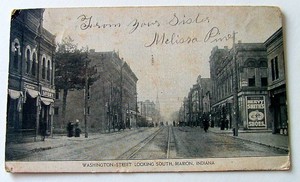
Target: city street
x=141, y=143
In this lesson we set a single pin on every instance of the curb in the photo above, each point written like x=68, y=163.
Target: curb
x=273, y=146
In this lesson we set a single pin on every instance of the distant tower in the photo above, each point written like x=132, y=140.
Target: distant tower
x=157, y=107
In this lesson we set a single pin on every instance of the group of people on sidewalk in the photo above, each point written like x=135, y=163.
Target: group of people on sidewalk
x=73, y=129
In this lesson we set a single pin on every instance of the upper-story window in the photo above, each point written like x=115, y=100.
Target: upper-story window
x=264, y=81
x=48, y=70
x=57, y=94
x=264, y=76
x=251, y=77
x=33, y=66
x=274, y=68
x=28, y=61
x=16, y=55
x=43, y=68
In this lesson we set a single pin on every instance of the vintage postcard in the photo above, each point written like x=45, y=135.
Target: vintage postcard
x=147, y=89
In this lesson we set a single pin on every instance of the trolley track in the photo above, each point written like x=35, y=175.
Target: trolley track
x=161, y=143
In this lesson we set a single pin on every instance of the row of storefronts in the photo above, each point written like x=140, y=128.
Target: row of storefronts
x=31, y=76
x=261, y=85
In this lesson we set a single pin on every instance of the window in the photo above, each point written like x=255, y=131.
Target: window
x=88, y=110
x=16, y=56
x=57, y=94
x=56, y=110
x=33, y=71
x=251, y=77
x=264, y=81
x=274, y=67
x=251, y=81
x=48, y=70
x=43, y=68
x=27, y=61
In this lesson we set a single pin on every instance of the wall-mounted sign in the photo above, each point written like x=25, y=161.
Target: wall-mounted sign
x=256, y=112
x=30, y=86
x=47, y=92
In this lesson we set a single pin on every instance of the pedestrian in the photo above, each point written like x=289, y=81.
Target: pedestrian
x=70, y=129
x=43, y=129
x=77, y=129
x=222, y=124
x=226, y=123
x=205, y=123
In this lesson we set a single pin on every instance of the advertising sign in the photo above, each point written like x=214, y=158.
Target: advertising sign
x=256, y=112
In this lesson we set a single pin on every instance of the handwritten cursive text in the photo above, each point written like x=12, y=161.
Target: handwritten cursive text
x=135, y=24
x=214, y=35
x=163, y=39
x=87, y=23
x=175, y=21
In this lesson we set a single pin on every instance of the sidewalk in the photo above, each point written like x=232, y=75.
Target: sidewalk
x=262, y=137
x=16, y=151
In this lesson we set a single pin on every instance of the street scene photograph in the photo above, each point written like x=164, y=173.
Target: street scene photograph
x=156, y=85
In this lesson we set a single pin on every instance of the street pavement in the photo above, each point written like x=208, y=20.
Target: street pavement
x=18, y=150
x=263, y=137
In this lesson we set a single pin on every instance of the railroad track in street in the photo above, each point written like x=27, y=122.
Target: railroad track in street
x=163, y=137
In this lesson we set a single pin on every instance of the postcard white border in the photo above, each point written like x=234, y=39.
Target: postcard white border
x=291, y=12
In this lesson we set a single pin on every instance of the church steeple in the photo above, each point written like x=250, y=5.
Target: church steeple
x=157, y=105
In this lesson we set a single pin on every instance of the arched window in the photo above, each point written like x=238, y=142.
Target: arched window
x=43, y=68
x=48, y=70
x=34, y=62
x=263, y=63
x=16, y=55
x=27, y=61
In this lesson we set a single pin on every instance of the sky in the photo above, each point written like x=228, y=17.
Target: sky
x=166, y=47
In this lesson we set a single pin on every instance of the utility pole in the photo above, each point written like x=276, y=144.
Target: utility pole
x=136, y=110
x=86, y=99
x=121, y=123
x=235, y=90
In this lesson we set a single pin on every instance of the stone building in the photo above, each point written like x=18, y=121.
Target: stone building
x=197, y=104
x=149, y=113
x=252, y=81
x=199, y=101
x=277, y=82
x=31, y=75
x=111, y=100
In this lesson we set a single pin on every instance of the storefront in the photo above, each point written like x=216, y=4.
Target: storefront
x=27, y=110
x=14, y=107
x=47, y=110
x=279, y=111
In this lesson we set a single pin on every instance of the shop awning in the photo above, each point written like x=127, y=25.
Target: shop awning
x=32, y=93
x=47, y=101
x=14, y=94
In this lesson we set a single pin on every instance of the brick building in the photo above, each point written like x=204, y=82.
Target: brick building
x=31, y=75
x=197, y=103
x=252, y=80
x=277, y=82
x=112, y=99
x=149, y=113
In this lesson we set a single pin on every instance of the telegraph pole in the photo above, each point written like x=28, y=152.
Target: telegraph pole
x=86, y=99
x=235, y=90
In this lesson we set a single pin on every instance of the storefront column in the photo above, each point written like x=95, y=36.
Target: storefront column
x=38, y=111
x=51, y=119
